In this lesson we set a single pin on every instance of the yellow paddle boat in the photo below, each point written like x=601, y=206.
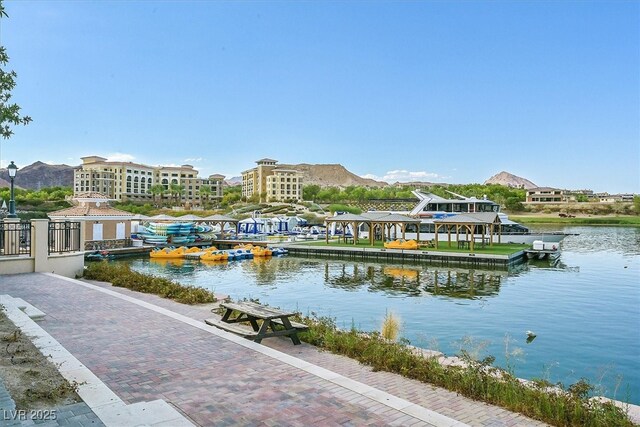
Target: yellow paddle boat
x=260, y=251
x=248, y=246
x=214, y=256
x=168, y=252
x=402, y=244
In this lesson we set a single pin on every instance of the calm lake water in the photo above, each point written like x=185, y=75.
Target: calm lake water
x=585, y=309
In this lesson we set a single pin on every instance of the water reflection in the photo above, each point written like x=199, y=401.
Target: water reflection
x=404, y=280
x=172, y=265
x=413, y=281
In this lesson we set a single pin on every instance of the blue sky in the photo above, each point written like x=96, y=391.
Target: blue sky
x=434, y=91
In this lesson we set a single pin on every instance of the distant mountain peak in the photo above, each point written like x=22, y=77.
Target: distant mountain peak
x=510, y=180
x=332, y=175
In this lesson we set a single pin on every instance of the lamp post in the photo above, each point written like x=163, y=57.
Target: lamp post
x=12, y=168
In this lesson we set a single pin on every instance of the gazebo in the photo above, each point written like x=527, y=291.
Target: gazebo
x=388, y=221
x=221, y=220
x=488, y=222
x=344, y=221
x=374, y=220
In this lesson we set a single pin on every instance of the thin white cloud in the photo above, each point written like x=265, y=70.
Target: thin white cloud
x=402, y=175
x=120, y=157
x=50, y=162
x=195, y=160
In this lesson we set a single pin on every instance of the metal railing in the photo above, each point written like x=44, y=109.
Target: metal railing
x=15, y=238
x=64, y=236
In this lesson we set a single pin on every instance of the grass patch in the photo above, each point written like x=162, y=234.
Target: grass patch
x=122, y=276
x=496, y=249
x=478, y=380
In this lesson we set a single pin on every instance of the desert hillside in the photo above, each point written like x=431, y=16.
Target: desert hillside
x=332, y=175
x=40, y=175
x=510, y=180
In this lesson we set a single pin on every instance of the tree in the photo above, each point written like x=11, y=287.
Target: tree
x=176, y=191
x=636, y=204
x=9, y=113
x=157, y=190
x=205, y=194
x=310, y=192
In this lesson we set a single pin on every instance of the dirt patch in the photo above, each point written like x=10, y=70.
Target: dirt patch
x=33, y=381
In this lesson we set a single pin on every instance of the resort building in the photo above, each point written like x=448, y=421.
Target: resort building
x=271, y=182
x=547, y=195
x=614, y=198
x=127, y=181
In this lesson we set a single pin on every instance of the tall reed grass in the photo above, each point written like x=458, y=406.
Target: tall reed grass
x=390, y=329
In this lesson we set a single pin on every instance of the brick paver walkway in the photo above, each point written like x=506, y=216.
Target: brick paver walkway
x=143, y=355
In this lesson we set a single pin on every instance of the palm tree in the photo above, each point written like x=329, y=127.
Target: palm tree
x=176, y=191
x=157, y=190
x=205, y=193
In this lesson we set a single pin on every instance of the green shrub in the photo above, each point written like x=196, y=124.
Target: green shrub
x=344, y=208
x=122, y=276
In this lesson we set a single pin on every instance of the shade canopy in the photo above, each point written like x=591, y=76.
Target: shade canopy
x=163, y=217
x=189, y=217
x=467, y=224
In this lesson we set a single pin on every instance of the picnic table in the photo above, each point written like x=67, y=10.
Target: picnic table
x=265, y=321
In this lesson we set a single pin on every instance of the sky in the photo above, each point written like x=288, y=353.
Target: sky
x=434, y=91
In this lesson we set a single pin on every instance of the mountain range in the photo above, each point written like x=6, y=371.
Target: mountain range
x=40, y=175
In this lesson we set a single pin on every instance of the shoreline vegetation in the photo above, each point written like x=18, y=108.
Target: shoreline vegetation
x=121, y=275
x=623, y=220
x=476, y=379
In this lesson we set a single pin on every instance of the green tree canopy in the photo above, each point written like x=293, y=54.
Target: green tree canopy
x=9, y=113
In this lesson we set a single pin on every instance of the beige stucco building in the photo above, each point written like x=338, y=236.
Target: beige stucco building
x=271, y=182
x=124, y=181
x=547, y=195
x=105, y=227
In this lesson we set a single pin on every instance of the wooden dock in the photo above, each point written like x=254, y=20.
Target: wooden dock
x=414, y=256
x=430, y=256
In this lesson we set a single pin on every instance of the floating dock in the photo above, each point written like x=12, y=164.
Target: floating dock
x=431, y=256
x=414, y=256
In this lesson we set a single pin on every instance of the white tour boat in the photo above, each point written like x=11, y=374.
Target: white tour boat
x=431, y=207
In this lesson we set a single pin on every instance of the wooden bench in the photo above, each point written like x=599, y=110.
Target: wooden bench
x=232, y=327
x=299, y=326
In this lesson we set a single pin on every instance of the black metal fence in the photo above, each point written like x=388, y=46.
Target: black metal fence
x=15, y=238
x=64, y=236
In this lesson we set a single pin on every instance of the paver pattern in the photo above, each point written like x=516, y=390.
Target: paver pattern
x=143, y=355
